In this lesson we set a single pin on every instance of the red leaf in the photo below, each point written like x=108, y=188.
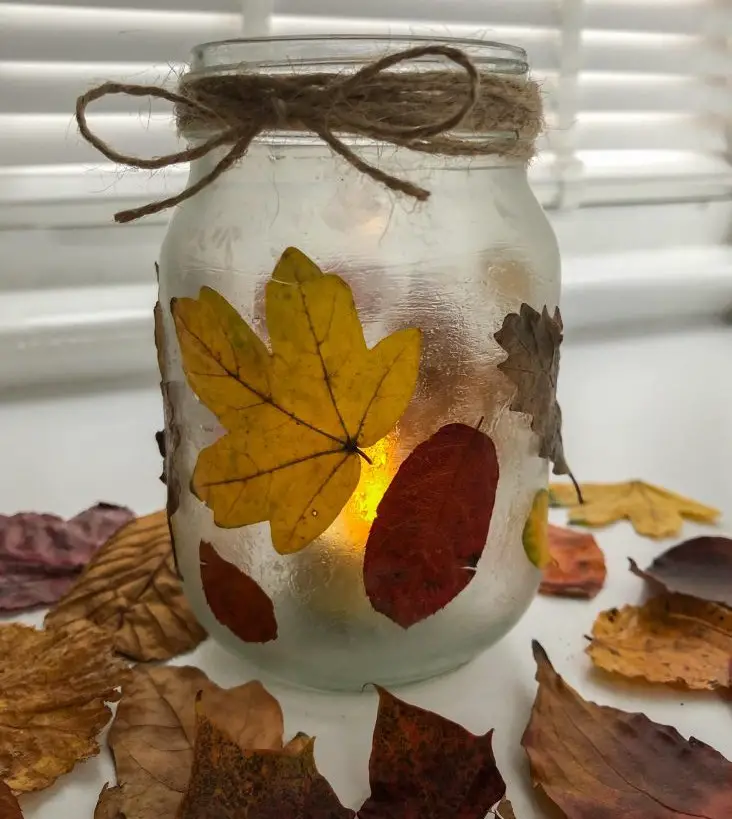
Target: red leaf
x=42, y=555
x=700, y=567
x=431, y=525
x=237, y=601
x=9, y=807
x=596, y=762
x=578, y=567
x=424, y=766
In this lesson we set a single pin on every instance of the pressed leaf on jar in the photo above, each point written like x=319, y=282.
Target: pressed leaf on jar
x=236, y=600
x=653, y=511
x=153, y=734
x=671, y=639
x=132, y=589
x=424, y=766
x=298, y=418
x=431, y=525
x=596, y=762
x=41, y=555
x=54, y=686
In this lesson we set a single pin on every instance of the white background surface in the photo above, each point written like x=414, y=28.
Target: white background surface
x=653, y=406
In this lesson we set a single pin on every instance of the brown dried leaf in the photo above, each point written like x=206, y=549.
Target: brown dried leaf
x=596, y=762
x=578, y=565
x=505, y=810
x=154, y=729
x=131, y=588
x=532, y=341
x=231, y=780
x=670, y=639
x=700, y=567
x=41, y=555
x=9, y=807
x=53, y=688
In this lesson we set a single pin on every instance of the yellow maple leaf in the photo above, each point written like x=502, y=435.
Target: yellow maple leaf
x=298, y=417
x=654, y=512
x=670, y=639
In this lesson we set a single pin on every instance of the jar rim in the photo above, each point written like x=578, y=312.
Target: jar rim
x=319, y=50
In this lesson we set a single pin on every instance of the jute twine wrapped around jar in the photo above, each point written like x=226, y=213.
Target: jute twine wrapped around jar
x=442, y=112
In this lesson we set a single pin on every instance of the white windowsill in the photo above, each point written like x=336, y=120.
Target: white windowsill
x=81, y=333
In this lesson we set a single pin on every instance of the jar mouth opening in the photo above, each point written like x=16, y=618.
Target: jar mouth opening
x=275, y=54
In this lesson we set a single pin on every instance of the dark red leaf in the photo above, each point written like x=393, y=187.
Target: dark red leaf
x=596, y=762
x=9, y=807
x=431, y=525
x=41, y=555
x=424, y=766
x=700, y=567
x=578, y=565
x=236, y=600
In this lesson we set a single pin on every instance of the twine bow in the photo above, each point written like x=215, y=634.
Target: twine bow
x=415, y=110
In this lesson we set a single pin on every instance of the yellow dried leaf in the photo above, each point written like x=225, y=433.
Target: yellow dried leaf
x=53, y=688
x=536, y=531
x=132, y=589
x=154, y=729
x=299, y=417
x=670, y=639
x=654, y=512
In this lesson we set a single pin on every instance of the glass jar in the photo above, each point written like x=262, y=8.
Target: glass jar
x=453, y=267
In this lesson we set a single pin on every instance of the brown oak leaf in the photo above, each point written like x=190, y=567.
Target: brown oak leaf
x=231, y=780
x=9, y=807
x=596, y=762
x=424, y=766
x=532, y=341
x=669, y=639
x=700, y=567
x=577, y=567
x=53, y=688
x=153, y=733
x=42, y=555
x=131, y=589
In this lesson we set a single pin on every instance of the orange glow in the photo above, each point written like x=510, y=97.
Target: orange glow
x=375, y=478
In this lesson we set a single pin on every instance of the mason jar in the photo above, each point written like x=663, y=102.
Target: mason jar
x=453, y=268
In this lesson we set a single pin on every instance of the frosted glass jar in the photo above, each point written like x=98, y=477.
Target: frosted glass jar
x=453, y=267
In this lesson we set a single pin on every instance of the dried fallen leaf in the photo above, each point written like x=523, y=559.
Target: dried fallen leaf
x=41, y=556
x=420, y=553
x=535, y=537
x=231, y=780
x=298, y=418
x=53, y=688
x=653, y=511
x=236, y=600
x=424, y=766
x=596, y=762
x=577, y=567
x=532, y=341
x=505, y=810
x=131, y=589
x=154, y=730
x=700, y=567
x=9, y=807
x=670, y=639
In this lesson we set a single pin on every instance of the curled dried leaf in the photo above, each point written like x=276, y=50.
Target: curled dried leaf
x=577, y=566
x=231, y=780
x=593, y=761
x=9, y=807
x=670, y=639
x=154, y=729
x=132, y=589
x=53, y=688
x=700, y=567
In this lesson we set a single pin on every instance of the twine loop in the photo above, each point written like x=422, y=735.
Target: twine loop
x=440, y=112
